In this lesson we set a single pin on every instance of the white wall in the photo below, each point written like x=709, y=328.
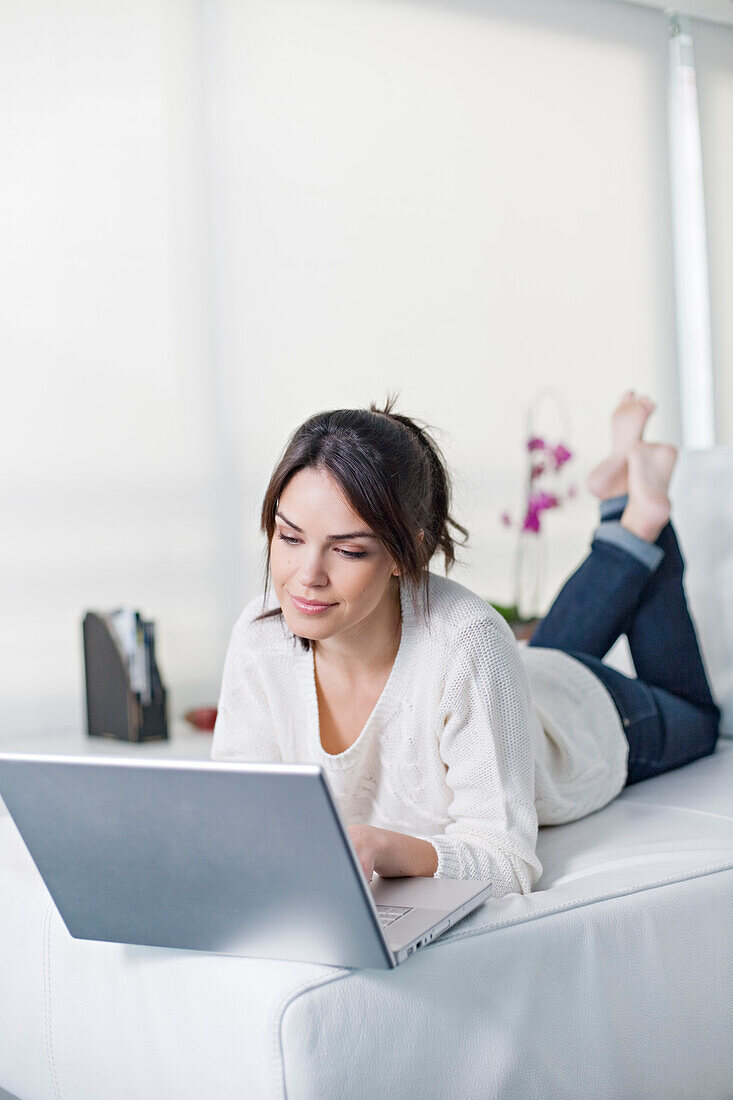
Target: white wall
x=220, y=217
x=463, y=201
x=108, y=454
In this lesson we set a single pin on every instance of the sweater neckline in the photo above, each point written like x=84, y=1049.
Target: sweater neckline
x=346, y=758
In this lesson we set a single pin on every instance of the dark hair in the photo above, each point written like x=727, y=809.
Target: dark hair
x=392, y=474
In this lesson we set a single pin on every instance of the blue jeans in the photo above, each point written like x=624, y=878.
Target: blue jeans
x=629, y=586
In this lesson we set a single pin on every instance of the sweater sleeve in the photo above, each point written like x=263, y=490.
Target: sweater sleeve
x=244, y=727
x=486, y=746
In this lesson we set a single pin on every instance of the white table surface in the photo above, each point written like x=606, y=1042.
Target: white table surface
x=184, y=743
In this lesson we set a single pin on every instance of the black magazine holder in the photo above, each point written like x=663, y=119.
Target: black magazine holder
x=113, y=708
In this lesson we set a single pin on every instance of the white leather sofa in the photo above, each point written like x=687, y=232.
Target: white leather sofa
x=614, y=979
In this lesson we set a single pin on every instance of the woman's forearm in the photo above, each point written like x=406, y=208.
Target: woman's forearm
x=405, y=855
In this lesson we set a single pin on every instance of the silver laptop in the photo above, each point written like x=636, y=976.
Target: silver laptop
x=238, y=859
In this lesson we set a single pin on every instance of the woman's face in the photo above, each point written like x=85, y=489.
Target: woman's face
x=331, y=574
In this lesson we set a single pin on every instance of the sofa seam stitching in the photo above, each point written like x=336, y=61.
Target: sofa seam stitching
x=679, y=809
x=580, y=902
x=48, y=1030
x=285, y=1001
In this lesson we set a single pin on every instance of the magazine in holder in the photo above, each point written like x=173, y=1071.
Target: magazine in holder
x=126, y=699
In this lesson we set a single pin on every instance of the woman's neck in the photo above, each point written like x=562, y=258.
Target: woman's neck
x=372, y=645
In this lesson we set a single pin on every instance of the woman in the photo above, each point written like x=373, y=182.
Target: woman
x=444, y=743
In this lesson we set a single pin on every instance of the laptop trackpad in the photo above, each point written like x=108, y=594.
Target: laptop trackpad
x=418, y=924
x=426, y=905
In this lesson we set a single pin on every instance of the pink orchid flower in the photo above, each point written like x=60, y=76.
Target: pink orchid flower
x=537, y=503
x=531, y=521
x=542, y=501
x=560, y=455
x=549, y=461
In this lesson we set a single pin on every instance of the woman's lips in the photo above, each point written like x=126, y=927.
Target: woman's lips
x=310, y=607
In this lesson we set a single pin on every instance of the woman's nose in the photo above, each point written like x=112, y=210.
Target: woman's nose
x=312, y=572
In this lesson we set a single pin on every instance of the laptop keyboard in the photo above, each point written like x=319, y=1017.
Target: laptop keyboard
x=388, y=914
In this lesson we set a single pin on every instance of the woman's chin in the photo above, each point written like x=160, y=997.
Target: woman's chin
x=304, y=627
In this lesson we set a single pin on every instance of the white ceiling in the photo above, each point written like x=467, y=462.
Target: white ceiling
x=718, y=11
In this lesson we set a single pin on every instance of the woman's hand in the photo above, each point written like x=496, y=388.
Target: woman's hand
x=392, y=855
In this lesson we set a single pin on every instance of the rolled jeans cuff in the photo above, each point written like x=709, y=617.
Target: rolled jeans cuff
x=613, y=507
x=648, y=553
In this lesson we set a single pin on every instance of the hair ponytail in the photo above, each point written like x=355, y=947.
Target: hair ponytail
x=438, y=520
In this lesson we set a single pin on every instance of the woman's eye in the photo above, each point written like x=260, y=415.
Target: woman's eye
x=291, y=540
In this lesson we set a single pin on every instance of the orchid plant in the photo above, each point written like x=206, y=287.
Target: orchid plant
x=545, y=490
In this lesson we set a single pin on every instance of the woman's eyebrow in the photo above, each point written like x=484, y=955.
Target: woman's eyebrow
x=288, y=522
x=352, y=535
x=331, y=538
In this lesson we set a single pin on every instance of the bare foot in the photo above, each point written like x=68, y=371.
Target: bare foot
x=610, y=477
x=650, y=471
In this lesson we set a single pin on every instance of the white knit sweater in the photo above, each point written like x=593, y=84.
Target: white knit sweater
x=471, y=740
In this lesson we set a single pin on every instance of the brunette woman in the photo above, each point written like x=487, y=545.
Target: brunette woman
x=445, y=743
